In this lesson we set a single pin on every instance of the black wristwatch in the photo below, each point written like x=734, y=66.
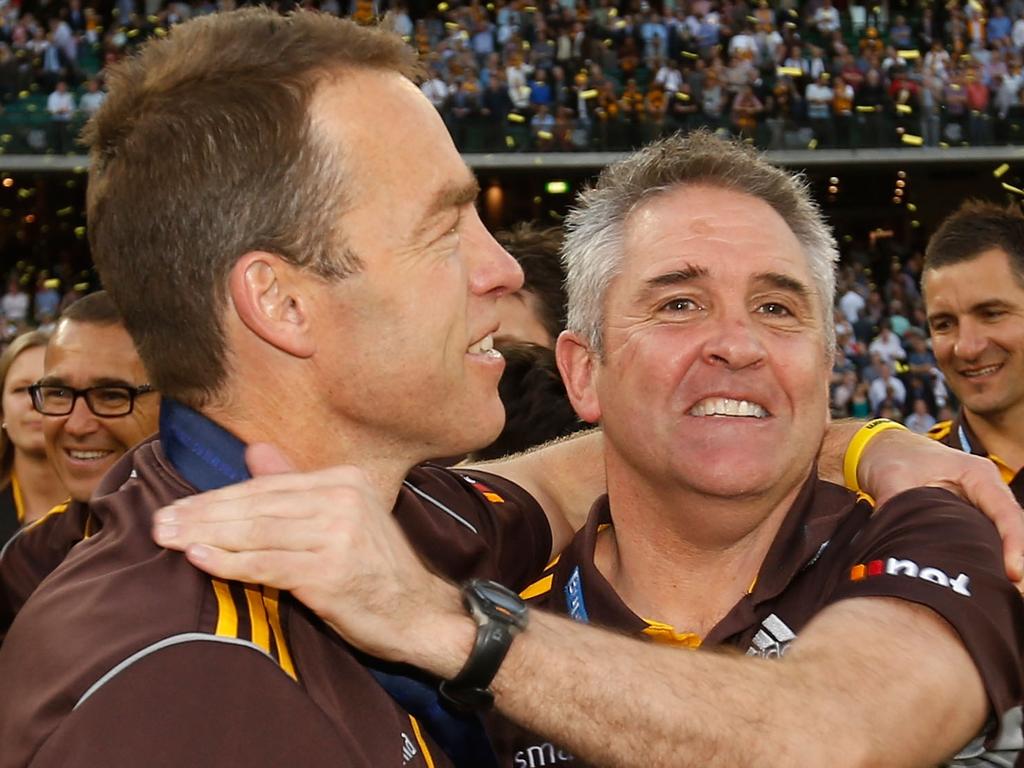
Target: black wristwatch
x=501, y=615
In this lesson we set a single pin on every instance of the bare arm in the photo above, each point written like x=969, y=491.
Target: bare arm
x=564, y=476
x=832, y=701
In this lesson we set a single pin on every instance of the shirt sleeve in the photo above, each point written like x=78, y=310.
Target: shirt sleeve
x=472, y=524
x=207, y=705
x=929, y=547
x=33, y=553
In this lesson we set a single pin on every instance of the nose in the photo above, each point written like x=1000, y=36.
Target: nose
x=492, y=270
x=81, y=421
x=970, y=343
x=733, y=343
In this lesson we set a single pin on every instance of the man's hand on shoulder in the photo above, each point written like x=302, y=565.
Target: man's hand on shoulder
x=329, y=539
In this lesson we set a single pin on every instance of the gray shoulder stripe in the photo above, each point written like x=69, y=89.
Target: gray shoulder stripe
x=167, y=642
x=10, y=541
x=440, y=506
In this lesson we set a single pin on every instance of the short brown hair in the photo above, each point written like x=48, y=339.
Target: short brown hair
x=95, y=309
x=21, y=344
x=538, y=251
x=975, y=227
x=203, y=151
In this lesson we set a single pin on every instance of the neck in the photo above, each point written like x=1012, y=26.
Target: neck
x=665, y=550
x=41, y=489
x=1001, y=433
x=312, y=440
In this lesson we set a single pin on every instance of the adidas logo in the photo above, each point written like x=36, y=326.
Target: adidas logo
x=896, y=567
x=772, y=640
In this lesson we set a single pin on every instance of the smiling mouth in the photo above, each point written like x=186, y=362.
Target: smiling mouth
x=725, y=406
x=484, y=347
x=88, y=455
x=988, y=370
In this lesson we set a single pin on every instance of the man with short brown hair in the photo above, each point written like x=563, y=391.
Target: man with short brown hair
x=973, y=283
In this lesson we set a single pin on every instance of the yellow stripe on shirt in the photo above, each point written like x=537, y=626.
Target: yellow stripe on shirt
x=419, y=740
x=227, y=614
x=538, y=588
x=270, y=600
x=19, y=500
x=258, y=618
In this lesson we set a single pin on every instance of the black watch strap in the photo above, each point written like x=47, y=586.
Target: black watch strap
x=501, y=615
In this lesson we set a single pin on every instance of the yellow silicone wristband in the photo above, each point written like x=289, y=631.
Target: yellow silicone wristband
x=860, y=440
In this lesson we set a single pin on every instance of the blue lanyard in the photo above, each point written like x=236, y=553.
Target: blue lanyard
x=574, y=601
x=208, y=457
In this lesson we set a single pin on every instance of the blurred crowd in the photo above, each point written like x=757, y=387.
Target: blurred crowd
x=599, y=75
x=565, y=75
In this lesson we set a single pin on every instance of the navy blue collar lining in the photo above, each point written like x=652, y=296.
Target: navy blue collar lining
x=205, y=454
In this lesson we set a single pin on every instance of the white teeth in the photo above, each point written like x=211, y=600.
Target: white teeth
x=981, y=371
x=724, y=406
x=484, y=347
x=88, y=455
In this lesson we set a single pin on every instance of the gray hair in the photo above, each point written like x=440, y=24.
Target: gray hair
x=596, y=228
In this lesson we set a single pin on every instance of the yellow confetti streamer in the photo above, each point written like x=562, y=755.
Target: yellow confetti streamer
x=911, y=140
x=1013, y=189
x=1001, y=170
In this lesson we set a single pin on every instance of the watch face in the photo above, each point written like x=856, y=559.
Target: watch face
x=502, y=602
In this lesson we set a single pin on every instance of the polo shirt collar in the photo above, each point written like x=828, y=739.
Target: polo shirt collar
x=813, y=518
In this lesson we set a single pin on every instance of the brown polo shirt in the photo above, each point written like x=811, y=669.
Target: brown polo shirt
x=127, y=655
x=958, y=434
x=925, y=546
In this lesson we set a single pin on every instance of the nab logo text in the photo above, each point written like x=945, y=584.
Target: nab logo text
x=896, y=567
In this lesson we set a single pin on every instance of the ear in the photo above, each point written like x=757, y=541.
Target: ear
x=269, y=297
x=579, y=366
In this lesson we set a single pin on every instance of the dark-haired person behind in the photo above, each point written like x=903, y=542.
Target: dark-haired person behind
x=94, y=394
x=96, y=403
x=536, y=312
x=31, y=487
x=537, y=408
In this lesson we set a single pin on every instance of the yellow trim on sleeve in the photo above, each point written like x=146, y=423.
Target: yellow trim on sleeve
x=270, y=600
x=227, y=614
x=538, y=588
x=419, y=740
x=940, y=430
x=258, y=618
x=554, y=562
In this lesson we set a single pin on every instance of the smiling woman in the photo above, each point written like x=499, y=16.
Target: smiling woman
x=30, y=485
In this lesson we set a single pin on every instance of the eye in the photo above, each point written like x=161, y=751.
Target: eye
x=774, y=309
x=993, y=314
x=680, y=305
x=940, y=326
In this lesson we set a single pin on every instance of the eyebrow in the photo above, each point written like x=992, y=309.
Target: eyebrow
x=56, y=381
x=784, y=283
x=687, y=274
x=453, y=195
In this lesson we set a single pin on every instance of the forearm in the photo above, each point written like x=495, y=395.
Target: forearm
x=614, y=701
